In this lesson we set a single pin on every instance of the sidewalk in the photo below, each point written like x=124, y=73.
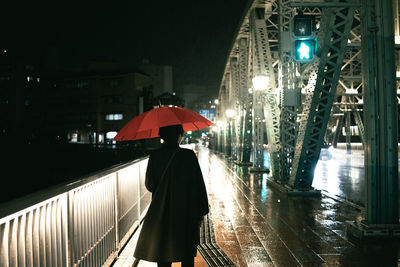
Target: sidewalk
x=126, y=259
x=259, y=226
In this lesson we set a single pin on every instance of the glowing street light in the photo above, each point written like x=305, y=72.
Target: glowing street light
x=260, y=82
x=230, y=113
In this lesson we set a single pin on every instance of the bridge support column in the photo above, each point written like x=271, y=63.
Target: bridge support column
x=245, y=105
x=380, y=116
x=348, y=131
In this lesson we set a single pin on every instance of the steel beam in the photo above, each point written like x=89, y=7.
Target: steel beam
x=337, y=23
x=380, y=113
x=234, y=105
x=264, y=102
x=245, y=104
x=287, y=85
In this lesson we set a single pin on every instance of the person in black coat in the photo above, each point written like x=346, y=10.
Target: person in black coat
x=170, y=231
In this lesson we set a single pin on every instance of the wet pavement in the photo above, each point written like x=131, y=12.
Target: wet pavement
x=257, y=225
x=341, y=174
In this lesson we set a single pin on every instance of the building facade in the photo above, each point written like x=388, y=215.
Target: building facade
x=162, y=77
x=21, y=94
x=92, y=107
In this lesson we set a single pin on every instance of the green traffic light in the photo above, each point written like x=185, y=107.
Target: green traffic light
x=304, y=49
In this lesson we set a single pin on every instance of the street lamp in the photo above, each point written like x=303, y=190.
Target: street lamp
x=260, y=82
x=260, y=85
x=230, y=113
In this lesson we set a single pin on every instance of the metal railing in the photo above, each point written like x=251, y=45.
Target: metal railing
x=84, y=223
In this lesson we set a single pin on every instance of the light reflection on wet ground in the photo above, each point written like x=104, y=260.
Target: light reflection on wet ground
x=259, y=226
x=341, y=174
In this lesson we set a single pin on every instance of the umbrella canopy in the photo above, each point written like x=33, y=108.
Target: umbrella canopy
x=146, y=125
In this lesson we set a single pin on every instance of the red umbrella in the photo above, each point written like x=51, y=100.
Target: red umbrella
x=146, y=125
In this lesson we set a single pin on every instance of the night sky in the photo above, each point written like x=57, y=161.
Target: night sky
x=192, y=36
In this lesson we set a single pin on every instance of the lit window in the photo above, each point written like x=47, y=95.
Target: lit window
x=114, y=117
x=111, y=134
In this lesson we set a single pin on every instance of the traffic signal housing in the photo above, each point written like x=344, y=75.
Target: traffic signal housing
x=305, y=43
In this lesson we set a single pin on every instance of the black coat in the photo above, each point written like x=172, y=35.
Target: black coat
x=170, y=230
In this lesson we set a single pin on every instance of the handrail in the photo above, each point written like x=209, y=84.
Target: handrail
x=84, y=222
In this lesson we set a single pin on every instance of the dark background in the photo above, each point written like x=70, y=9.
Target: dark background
x=192, y=36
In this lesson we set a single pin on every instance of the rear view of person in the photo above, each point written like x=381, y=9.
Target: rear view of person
x=170, y=231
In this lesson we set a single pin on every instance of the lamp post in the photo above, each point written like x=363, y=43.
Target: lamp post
x=220, y=146
x=230, y=113
x=260, y=85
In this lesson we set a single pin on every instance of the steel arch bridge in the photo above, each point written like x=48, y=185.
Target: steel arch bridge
x=302, y=105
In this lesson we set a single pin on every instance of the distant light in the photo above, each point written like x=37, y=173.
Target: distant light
x=111, y=134
x=230, y=113
x=38, y=79
x=260, y=82
x=5, y=51
x=351, y=91
x=28, y=78
x=114, y=117
x=216, y=101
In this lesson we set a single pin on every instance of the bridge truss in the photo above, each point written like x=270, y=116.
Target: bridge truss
x=304, y=106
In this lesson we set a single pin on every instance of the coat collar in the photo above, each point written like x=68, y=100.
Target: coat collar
x=171, y=145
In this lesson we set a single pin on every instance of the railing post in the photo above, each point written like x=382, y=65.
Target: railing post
x=69, y=232
x=117, y=241
x=138, y=193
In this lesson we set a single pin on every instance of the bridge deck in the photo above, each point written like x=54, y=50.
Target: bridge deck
x=256, y=225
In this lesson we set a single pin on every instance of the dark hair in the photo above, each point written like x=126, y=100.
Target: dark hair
x=170, y=133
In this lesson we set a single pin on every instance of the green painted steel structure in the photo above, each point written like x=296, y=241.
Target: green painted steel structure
x=307, y=105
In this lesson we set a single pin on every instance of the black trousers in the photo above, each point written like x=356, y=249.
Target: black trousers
x=185, y=263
